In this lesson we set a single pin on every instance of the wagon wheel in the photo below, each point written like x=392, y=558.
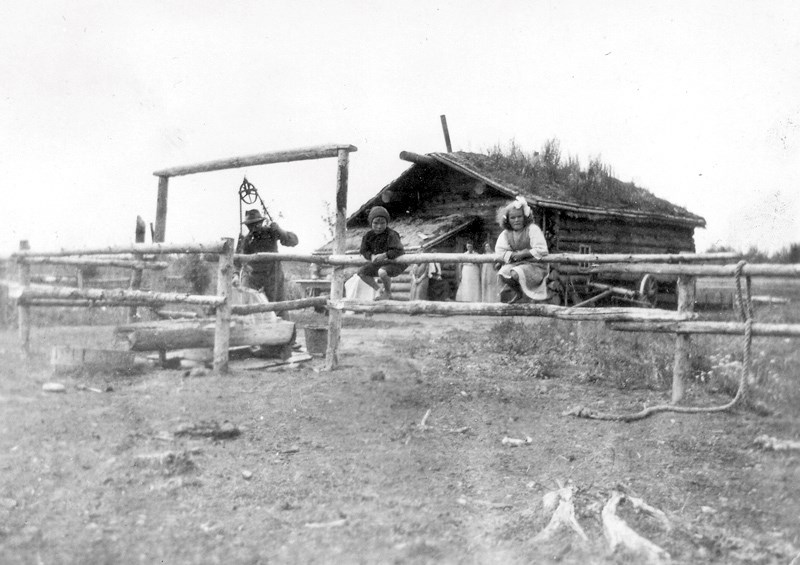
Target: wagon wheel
x=648, y=290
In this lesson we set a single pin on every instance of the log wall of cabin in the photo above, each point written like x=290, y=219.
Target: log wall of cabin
x=570, y=232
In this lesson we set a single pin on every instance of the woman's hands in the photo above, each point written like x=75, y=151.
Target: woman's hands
x=380, y=258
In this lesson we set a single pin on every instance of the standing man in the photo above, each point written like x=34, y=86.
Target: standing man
x=264, y=238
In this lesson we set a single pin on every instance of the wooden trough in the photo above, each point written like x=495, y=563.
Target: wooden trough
x=66, y=359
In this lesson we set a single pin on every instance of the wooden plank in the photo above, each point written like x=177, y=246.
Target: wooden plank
x=301, y=154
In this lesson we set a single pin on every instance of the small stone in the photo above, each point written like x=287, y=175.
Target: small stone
x=198, y=372
x=247, y=475
x=54, y=387
x=377, y=376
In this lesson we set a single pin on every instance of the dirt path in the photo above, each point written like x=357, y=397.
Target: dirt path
x=337, y=468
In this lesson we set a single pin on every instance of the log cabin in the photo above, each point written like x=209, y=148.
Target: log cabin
x=444, y=200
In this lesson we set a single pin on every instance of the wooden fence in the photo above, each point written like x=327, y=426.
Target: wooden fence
x=686, y=267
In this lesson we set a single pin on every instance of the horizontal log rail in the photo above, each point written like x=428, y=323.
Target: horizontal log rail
x=78, y=262
x=114, y=296
x=241, y=309
x=728, y=271
x=757, y=329
x=418, y=307
x=214, y=247
x=413, y=258
x=301, y=154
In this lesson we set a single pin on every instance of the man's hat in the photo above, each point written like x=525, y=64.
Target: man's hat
x=253, y=217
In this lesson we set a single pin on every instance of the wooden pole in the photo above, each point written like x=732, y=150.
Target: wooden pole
x=302, y=154
x=620, y=262
x=115, y=296
x=136, y=274
x=280, y=306
x=446, y=134
x=419, y=159
x=23, y=310
x=425, y=307
x=704, y=327
x=339, y=247
x=683, y=342
x=161, y=210
x=222, y=334
x=214, y=247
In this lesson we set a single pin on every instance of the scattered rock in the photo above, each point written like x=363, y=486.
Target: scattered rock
x=247, y=475
x=54, y=387
x=210, y=428
x=515, y=442
x=377, y=376
x=8, y=503
x=170, y=462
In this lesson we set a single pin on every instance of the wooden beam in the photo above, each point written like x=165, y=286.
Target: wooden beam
x=681, y=369
x=423, y=307
x=222, y=333
x=301, y=154
x=446, y=134
x=754, y=270
x=23, y=311
x=641, y=263
x=280, y=306
x=116, y=296
x=418, y=159
x=214, y=247
x=339, y=247
x=86, y=262
x=704, y=327
x=195, y=334
x=161, y=209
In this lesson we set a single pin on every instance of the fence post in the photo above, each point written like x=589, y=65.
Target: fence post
x=136, y=275
x=339, y=248
x=683, y=342
x=222, y=332
x=24, y=311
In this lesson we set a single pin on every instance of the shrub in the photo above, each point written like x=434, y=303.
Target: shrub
x=195, y=272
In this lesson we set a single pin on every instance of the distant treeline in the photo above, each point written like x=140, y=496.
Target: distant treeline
x=788, y=254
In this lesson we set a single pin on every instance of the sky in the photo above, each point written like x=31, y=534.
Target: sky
x=695, y=101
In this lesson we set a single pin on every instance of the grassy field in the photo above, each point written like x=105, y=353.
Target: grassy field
x=398, y=456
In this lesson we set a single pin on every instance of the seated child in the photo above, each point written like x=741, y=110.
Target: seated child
x=380, y=245
x=521, y=241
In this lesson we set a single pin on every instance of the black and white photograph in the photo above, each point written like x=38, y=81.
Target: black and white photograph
x=429, y=282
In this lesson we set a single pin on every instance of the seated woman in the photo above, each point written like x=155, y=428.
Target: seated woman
x=521, y=241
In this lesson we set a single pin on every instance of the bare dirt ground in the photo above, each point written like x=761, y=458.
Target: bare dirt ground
x=339, y=468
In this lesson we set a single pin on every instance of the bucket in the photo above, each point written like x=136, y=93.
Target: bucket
x=316, y=340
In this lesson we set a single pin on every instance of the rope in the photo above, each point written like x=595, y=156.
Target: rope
x=745, y=308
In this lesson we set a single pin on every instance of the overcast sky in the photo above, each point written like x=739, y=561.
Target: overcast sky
x=698, y=102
